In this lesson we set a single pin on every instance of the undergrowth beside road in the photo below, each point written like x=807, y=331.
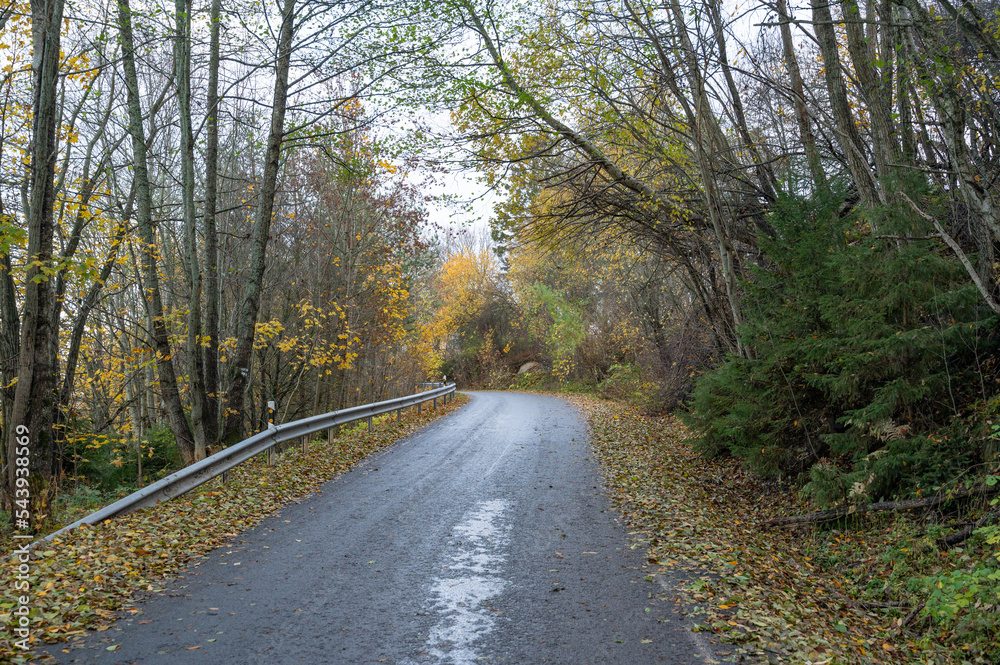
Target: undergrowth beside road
x=84, y=578
x=854, y=595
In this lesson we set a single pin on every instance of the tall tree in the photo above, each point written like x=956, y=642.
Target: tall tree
x=34, y=397
x=847, y=129
x=247, y=314
x=147, y=232
x=210, y=230
x=182, y=78
x=798, y=94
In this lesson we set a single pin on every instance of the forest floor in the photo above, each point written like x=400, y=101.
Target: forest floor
x=852, y=593
x=84, y=579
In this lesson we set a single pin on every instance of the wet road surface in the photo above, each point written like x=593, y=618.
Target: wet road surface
x=483, y=539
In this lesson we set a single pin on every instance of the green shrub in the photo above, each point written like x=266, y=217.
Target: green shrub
x=110, y=462
x=559, y=323
x=535, y=379
x=864, y=376
x=628, y=383
x=966, y=601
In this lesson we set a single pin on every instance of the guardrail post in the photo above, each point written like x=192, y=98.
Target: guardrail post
x=420, y=407
x=369, y=423
x=398, y=411
x=330, y=433
x=304, y=444
x=271, y=456
x=435, y=400
x=225, y=476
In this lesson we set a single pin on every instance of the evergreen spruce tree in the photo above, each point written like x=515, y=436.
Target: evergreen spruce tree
x=866, y=348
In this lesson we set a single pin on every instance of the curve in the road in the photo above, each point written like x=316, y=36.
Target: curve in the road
x=484, y=538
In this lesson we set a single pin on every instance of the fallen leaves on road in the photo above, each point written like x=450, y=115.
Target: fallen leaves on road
x=83, y=579
x=753, y=587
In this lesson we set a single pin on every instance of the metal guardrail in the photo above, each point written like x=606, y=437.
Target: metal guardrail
x=215, y=465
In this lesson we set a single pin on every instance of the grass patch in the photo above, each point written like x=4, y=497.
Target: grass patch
x=625, y=383
x=850, y=595
x=85, y=578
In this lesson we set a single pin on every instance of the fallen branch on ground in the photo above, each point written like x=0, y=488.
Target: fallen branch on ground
x=964, y=534
x=912, y=615
x=880, y=506
x=874, y=605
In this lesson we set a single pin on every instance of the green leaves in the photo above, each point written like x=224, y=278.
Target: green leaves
x=11, y=234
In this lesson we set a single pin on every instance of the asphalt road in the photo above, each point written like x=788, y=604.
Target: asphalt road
x=484, y=538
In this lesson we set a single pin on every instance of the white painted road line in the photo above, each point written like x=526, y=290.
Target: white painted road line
x=459, y=599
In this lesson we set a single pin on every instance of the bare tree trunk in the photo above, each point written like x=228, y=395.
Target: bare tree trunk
x=764, y=173
x=707, y=139
x=211, y=359
x=799, y=97
x=843, y=118
x=154, y=304
x=945, y=90
x=90, y=302
x=182, y=78
x=722, y=326
x=246, y=323
x=33, y=411
x=86, y=307
x=905, y=124
x=5, y=14
x=981, y=286
x=876, y=91
x=90, y=181
x=931, y=155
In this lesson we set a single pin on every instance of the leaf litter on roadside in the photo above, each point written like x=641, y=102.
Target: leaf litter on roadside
x=84, y=579
x=752, y=587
